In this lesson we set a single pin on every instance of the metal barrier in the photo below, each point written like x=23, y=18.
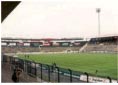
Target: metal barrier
x=48, y=73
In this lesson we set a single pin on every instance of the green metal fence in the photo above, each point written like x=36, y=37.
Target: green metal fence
x=48, y=73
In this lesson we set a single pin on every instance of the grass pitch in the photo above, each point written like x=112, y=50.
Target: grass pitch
x=105, y=64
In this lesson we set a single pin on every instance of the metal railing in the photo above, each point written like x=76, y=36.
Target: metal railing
x=48, y=73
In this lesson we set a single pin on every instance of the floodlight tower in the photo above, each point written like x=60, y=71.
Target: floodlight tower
x=98, y=11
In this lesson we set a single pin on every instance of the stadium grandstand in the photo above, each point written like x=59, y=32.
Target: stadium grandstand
x=104, y=44
x=11, y=45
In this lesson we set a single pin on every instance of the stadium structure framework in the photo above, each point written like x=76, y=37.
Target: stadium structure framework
x=105, y=45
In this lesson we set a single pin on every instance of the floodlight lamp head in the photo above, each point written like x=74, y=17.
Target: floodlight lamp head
x=98, y=10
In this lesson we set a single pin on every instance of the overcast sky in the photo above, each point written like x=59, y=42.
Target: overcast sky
x=61, y=19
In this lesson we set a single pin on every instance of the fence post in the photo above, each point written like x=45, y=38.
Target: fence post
x=35, y=70
x=58, y=74
x=24, y=66
x=87, y=76
x=109, y=79
x=14, y=61
x=41, y=70
x=10, y=60
x=48, y=73
x=30, y=67
x=70, y=74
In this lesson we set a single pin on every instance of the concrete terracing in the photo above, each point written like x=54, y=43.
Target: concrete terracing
x=7, y=75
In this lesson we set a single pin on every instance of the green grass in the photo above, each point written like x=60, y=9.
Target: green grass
x=106, y=64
